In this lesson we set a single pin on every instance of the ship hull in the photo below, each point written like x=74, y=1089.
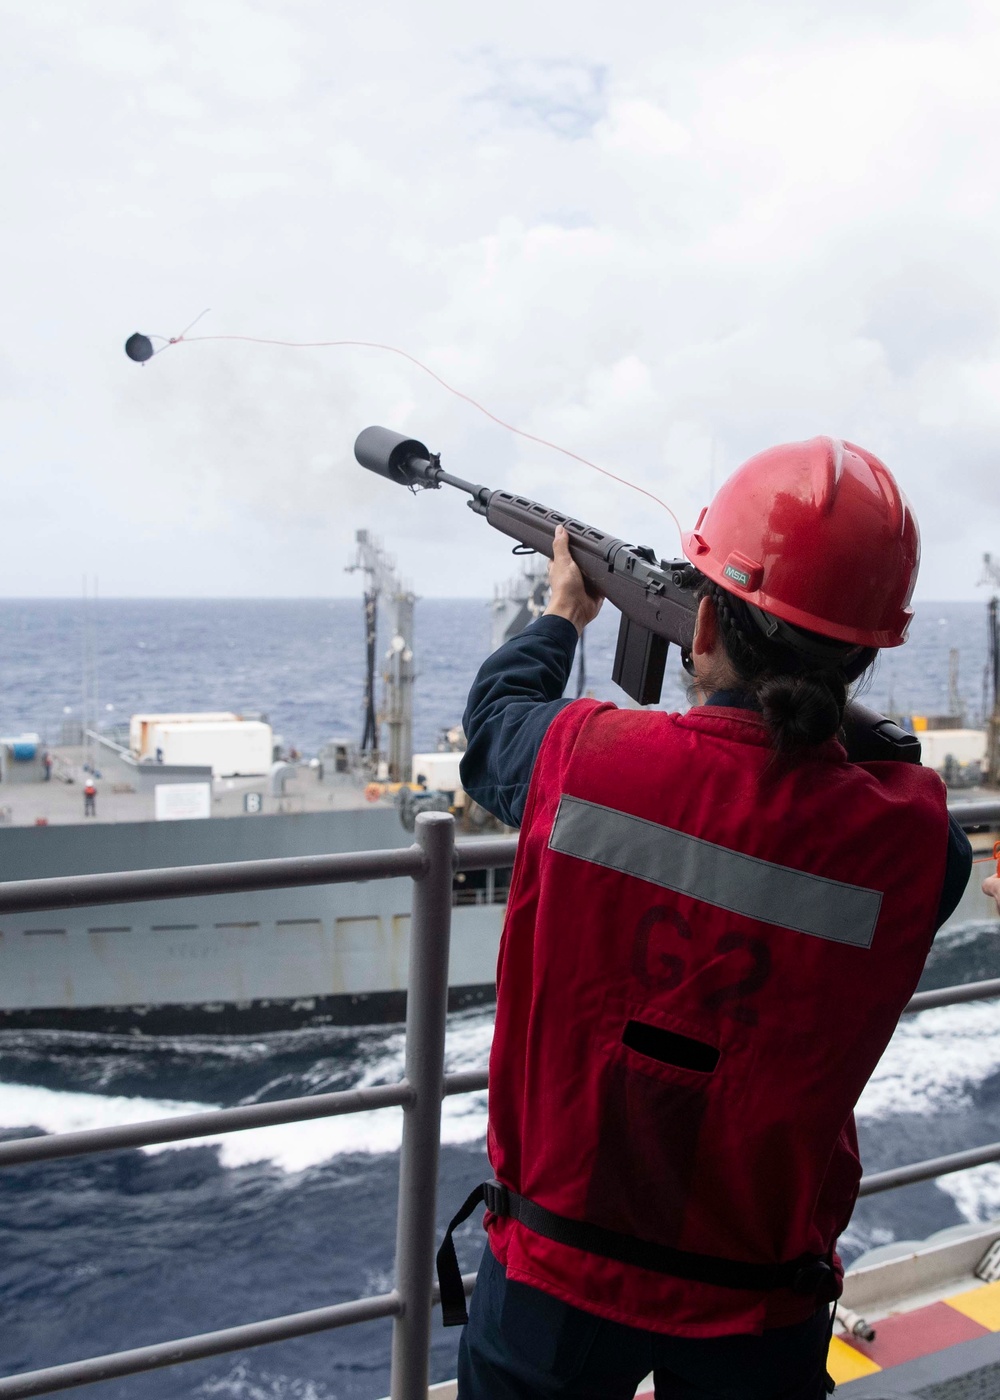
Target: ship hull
x=333, y=954
x=235, y=1018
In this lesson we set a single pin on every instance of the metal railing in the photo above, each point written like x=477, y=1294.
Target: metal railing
x=431, y=863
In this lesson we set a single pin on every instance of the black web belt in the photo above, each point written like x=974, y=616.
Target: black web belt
x=809, y=1274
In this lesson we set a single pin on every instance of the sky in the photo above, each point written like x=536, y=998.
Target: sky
x=664, y=236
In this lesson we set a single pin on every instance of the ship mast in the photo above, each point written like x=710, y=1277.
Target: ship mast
x=991, y=706
x=372, y=563
x=398, y=677
x=89, y=709
x=382, y=582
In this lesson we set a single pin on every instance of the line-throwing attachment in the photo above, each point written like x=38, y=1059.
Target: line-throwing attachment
x=139, y=347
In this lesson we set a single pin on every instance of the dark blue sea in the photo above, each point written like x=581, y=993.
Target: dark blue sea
x=131, y=1248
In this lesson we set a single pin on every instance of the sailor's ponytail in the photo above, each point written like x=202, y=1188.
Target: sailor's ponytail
x=801, y=710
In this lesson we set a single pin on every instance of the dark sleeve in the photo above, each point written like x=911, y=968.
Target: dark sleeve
x=956, y=871
x=513, y=700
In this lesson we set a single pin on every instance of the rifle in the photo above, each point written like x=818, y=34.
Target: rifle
x=656, y=597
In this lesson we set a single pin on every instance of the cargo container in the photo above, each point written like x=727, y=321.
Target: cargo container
x=439, y=771
x=140, y=726
x=231, y=747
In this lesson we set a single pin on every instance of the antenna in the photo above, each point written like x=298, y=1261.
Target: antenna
x=991, y=690
x=89, y=676
x=991, y=675
x=377, y=568
x=956, y=704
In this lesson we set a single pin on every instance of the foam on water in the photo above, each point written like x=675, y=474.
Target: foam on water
x=291, y=1147
x=62, y=1111
x=933, y=1061
x=976, y=1193
x=244, y=1382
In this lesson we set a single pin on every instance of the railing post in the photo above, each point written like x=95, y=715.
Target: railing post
x=426, y=1013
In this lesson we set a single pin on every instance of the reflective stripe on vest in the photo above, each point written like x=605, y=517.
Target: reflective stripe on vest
x=758, y=889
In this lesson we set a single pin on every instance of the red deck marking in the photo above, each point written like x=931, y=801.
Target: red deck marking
x=909, y=1335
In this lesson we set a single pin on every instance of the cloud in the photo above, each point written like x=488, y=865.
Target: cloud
x=558, y=95
x=661, y=239
x=639, y=127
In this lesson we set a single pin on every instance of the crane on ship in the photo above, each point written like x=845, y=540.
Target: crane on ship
x=382, y=582
x=991, y=697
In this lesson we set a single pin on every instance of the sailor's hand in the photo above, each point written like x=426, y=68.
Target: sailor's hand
x=571, y=596
x=991, y=887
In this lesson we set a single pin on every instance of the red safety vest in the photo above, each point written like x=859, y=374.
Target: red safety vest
x=705, y=953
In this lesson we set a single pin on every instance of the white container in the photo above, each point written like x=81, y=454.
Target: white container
x=140, y=725
x=439, y=771
x=231, y=747
x=964, y=745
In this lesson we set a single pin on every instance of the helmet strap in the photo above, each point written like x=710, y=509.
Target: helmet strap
x=826, y=653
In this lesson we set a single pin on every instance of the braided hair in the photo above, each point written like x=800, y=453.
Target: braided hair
x=799, y=679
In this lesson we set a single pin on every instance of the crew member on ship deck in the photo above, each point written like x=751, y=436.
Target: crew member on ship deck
x=715, y=921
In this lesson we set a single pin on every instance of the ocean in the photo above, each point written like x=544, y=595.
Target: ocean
x=131, y=1248
x=300, y=662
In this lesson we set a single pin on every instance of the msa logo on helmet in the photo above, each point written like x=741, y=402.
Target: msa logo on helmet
x=743, y=572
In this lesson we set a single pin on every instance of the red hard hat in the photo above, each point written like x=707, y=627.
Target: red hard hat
x=818, y=534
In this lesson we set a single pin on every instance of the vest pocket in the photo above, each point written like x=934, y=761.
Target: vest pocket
x=670, y=1047
x=656, y=1074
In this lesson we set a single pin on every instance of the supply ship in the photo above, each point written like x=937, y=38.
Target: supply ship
x=183, y=789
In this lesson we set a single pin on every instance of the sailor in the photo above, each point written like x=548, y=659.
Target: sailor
x=715, y=921
x=90, y=797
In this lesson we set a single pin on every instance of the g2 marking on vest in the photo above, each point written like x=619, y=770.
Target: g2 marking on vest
x=739, y=576
x=727, y=1000
x=753, y=981
x=673, y=966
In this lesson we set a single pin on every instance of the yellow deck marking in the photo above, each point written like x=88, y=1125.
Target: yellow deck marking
x=981, y=1304
x=846, y=1364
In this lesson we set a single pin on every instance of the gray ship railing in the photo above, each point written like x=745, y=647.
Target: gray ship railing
x=431, y=863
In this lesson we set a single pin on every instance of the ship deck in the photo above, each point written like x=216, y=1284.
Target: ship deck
x=966, y=1370
x=930, y=1315
x=935, y=1343
x=126, y=794
x=945, y=1348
